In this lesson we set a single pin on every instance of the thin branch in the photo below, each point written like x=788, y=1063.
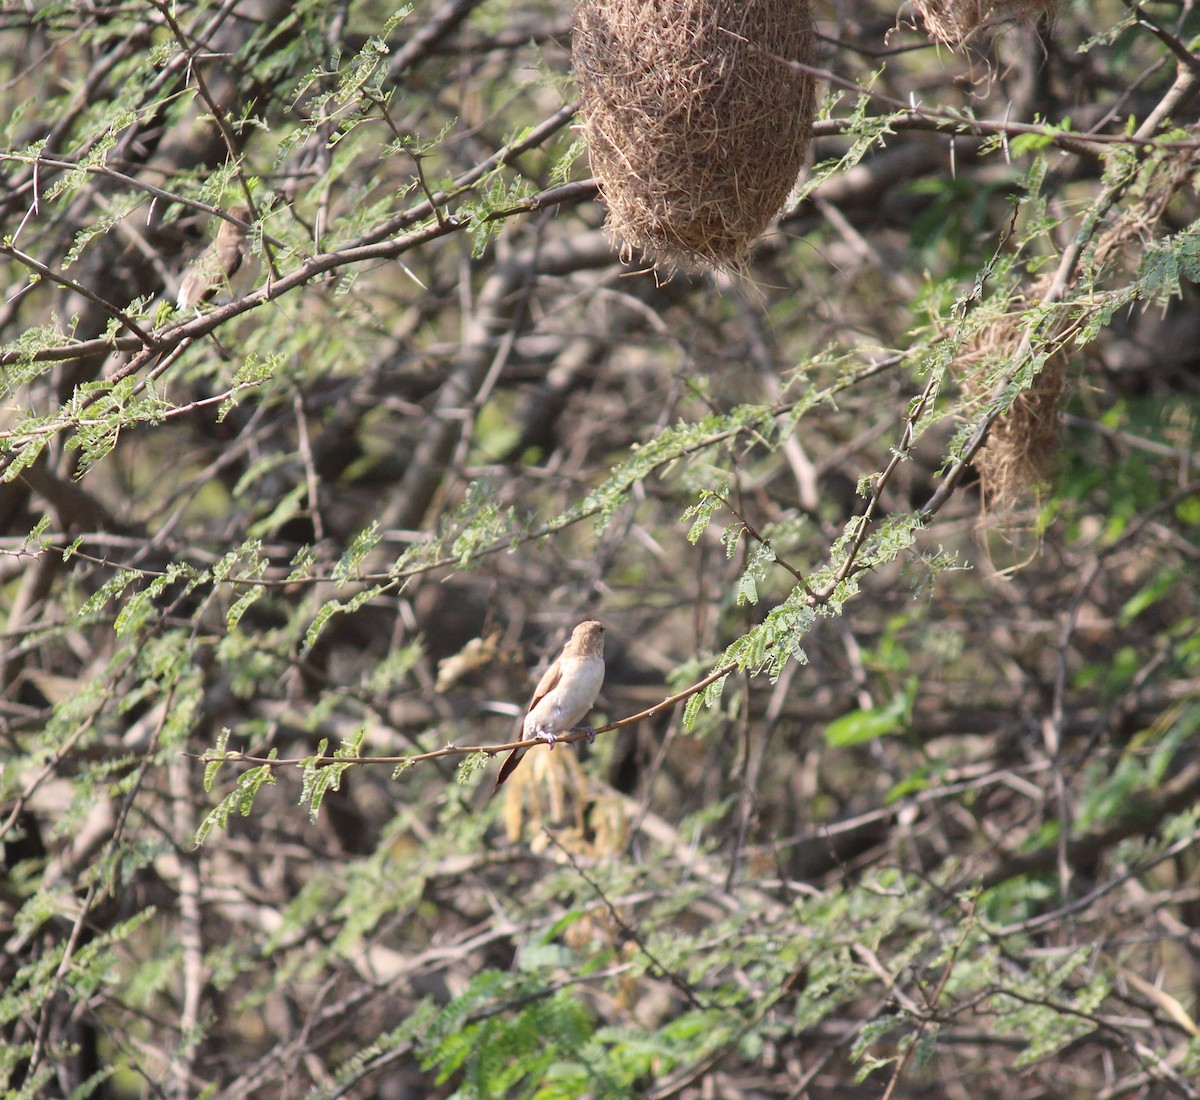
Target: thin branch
x=145, y=338
x=628, y=930
x=568, y=738
x=393, y=580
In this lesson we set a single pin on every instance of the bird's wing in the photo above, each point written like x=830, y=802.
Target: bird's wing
x=202, y=281
x=546, y=684
x=231, y=256
x=189, y=291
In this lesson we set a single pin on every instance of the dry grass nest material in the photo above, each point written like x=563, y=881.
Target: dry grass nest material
x=1023, y=443
x=1021, y=446
x=956, y=22
x=696, y=125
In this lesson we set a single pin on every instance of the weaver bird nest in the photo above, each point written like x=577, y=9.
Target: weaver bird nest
x=1023, y=443
x=696, y=124
x=955, y=22
x=1021, y=446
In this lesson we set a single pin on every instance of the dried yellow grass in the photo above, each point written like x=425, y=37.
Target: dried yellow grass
x=1022, y=444
x=956, y=22
x=1016, y=460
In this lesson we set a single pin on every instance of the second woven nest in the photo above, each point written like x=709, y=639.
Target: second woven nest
x=696, y=125
x=957, y=22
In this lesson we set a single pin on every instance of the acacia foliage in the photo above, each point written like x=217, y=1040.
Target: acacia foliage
x=922, y=816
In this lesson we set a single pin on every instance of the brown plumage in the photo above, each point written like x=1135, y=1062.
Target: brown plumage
x=225, y=265
x=564, y=694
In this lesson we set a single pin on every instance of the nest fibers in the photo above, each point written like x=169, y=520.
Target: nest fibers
x=1021, y=446
x=955, y=22
x=696, y=124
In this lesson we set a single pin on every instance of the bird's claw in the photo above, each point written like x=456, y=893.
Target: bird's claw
x=550, y=739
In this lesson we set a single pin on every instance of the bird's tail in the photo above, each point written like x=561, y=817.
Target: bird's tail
x=509, y=766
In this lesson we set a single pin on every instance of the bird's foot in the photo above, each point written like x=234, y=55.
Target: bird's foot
x=589, y=732
x=548, y=738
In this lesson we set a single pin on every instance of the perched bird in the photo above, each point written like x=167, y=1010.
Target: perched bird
x=225, y=266
x=564, y=694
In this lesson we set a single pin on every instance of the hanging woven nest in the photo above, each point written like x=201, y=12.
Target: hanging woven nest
x=1022, y=445
x=696, y=124
x=956, y=22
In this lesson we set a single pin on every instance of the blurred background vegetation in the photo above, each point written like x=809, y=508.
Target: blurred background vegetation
x=921, y=489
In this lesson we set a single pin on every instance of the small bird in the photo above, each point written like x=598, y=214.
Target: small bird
x=225, y=266
x=564, y=694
